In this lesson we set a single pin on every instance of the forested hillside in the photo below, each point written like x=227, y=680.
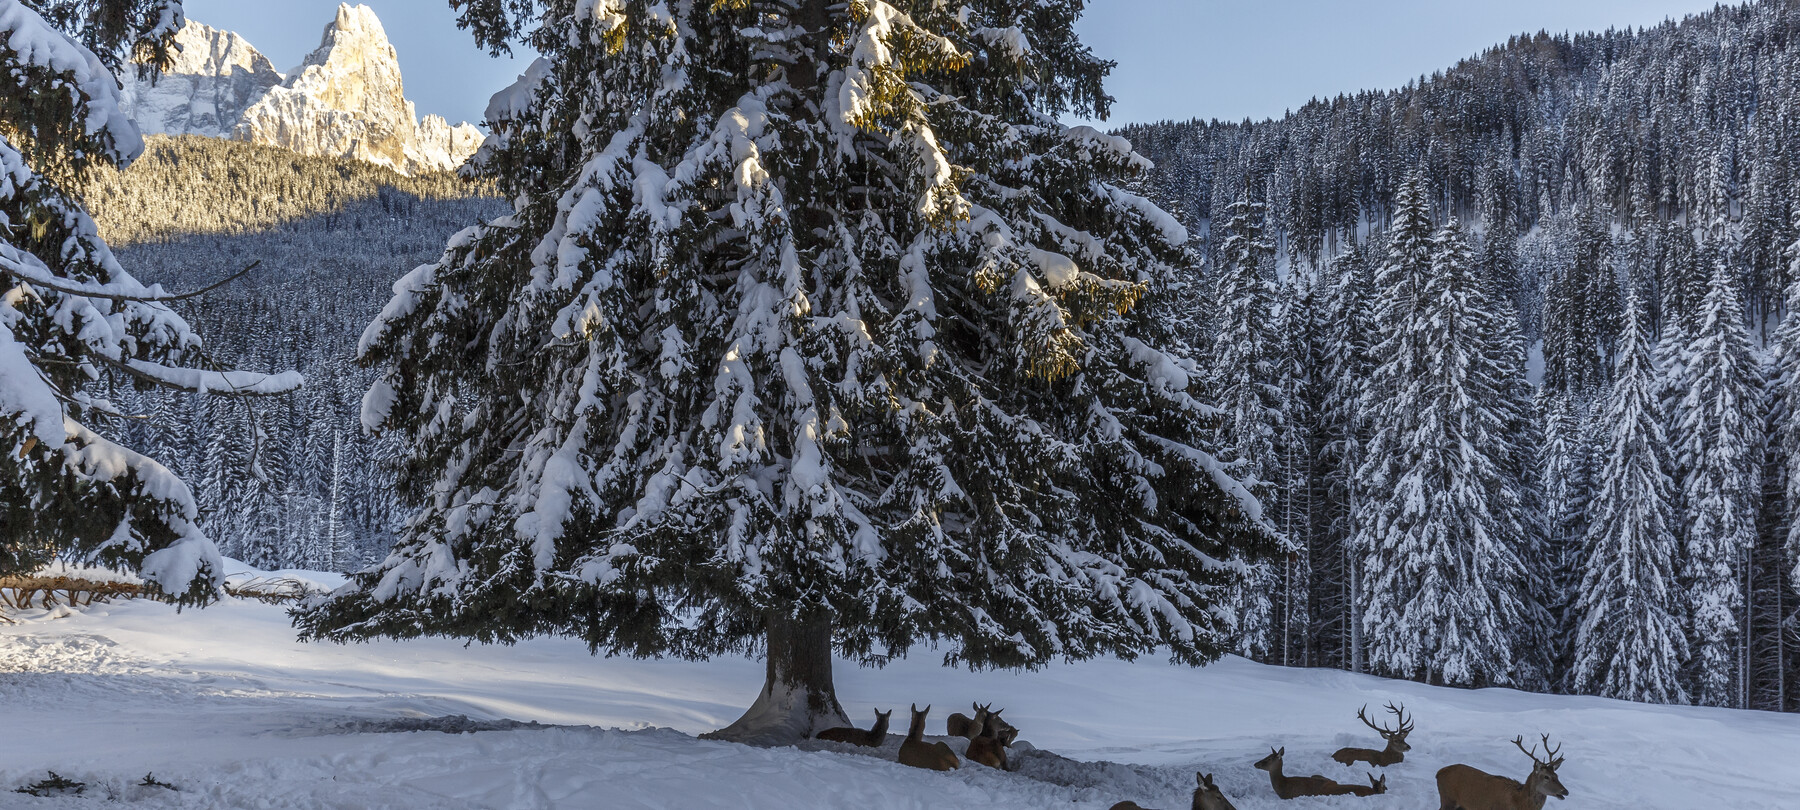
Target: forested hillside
x=289, y=481
x=1522, y=377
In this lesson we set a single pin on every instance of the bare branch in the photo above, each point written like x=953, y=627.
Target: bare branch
x=94, y=291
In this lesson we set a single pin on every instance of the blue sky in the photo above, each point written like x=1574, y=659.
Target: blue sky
x=1226, y=59
x=1232, y=59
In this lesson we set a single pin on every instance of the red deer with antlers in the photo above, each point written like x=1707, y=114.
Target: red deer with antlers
x=1396, y=740
x=1461, y=787
x=1290, y=787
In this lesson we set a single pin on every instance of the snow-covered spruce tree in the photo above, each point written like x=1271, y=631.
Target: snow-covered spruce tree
x=812, y=331
x=1394, y=397
x=1785, y=409
x=1442, y=566
x=1247, y=347
x=1346, y=337
x=1628, y=638
x=69, y=314
x=1718, y=442
x=1565, y=483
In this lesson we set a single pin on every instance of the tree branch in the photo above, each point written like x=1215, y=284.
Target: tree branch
x=97, y=291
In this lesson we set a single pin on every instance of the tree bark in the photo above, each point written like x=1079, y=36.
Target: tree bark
x=798, y=698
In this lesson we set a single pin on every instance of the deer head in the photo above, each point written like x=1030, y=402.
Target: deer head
x=917, y=729
x=1272, y=762
x=1543, y=771
x=1396, y=737
x=1208, y=796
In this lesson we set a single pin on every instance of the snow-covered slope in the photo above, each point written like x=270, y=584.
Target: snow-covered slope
x=225, y=705
x=346, y=99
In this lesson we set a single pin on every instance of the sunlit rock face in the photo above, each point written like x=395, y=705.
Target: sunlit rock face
x=346, y=99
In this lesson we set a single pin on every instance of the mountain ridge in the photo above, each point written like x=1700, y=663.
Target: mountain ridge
x=345, y=99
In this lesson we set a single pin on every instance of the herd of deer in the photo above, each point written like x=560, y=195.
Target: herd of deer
x=1460, y=787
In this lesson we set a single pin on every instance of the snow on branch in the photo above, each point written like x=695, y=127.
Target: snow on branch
x=38, y=44
x=219, y=383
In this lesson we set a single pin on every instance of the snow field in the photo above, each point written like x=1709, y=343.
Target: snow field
x=226, y=705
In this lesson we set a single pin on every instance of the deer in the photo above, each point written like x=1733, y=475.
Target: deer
x=1288, y=787
x=1376, y=787
x=957, y=724
x=1396, y=741
x=873, y=738
x=1207, y=796
x=918, y=753
x=1461, y=787
x=984, y=746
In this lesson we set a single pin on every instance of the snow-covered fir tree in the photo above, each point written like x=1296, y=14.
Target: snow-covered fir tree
x=1247, y=348
x=811, y=330
x=1346, y=339
x=71, y=315
x=1718, y=441
x=1629, y=642
x=1565, y=493
x=1443, y=567
x=1785, y=411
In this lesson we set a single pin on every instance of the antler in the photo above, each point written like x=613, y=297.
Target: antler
x=1361, y=714
x=1400, y=714
x=1551, y=762
x=1551, y=753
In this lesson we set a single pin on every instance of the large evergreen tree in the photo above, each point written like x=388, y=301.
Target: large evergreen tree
x=1248, y=351
x=1346, y=337
x=1443, y=563
x=1628, y=641
x=1718, y=445
x=811, y=330
x=69, y=314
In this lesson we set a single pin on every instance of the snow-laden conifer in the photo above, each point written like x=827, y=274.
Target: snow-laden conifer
x=1785, y=410
x=1442, y=563
x=1718, y=442
x=1346, y=337
x=1248, y=350
x=1628, y=637
x=812, y=330
x=69, y=314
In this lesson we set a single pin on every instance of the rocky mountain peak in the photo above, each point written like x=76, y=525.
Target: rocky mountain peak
x=346, y=99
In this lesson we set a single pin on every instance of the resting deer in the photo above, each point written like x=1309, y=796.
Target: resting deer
x=1376, y=787
x=1461, y=787
x=873, y=738
x=1207, y=796
x=957, y=724
x=1288, y=787
x=1396, y=741
x=915, y=751
x=984, y=746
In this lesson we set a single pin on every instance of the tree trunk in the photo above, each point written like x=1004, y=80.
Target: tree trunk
x=798, y=699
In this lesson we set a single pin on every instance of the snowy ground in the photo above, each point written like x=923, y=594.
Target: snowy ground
x=225, y=705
